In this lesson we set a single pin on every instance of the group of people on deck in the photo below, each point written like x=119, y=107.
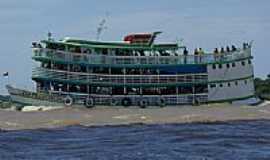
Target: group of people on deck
x=198, y=55
x=218, y=53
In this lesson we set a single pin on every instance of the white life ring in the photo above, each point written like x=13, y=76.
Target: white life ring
x=143, y=103
x=68, y=101
x=89, y=102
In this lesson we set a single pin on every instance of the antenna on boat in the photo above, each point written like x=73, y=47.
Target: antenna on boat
x=101, y=27
x=49, y=36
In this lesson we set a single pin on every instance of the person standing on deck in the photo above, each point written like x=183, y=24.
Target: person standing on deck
x=216, y=54
x=245, y=46
x=234, y=48
x=185, y=52
x=228, y=50
x=201, y=54
x=222, y=52
x=196, y=55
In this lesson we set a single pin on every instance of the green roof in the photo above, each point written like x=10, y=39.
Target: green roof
x=113, y=45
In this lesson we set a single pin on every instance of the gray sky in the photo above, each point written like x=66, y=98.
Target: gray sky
x=201, y=23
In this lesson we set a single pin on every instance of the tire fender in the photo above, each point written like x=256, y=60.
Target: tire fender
x=162, y=102
x=143, y=103
x=89, y=102
x=68, y=101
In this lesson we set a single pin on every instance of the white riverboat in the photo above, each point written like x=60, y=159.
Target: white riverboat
x=135, y=72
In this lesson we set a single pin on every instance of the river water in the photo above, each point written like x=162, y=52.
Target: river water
x=241, y=140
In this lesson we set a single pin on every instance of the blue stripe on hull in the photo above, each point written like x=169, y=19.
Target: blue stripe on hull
x=183, y=69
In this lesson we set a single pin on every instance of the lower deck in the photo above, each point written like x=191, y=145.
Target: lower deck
x=57, y=98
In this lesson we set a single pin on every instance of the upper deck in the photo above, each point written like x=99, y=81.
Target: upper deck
x=64, y=57
x=137, y=50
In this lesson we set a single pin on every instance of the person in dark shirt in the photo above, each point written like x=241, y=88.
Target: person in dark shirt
x=185, y=52
x=216, y=54
x=222, y=53
x=222, y=50
x=233, y=48
x=228, y=49
x=245, y=46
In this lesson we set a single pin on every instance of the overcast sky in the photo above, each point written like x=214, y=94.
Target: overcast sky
x=201, y=23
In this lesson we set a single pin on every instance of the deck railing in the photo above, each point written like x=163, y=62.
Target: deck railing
x=57, y=96
x=151, y=99
x=117, y=79
x=84, y=58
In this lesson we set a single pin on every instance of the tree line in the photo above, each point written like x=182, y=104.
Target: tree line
x=262, y=87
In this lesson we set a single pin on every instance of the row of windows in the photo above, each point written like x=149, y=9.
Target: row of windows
x=229, y=84
x=229, y=65
x=106, y=51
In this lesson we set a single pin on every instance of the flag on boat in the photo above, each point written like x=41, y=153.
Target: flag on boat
x=5, y=74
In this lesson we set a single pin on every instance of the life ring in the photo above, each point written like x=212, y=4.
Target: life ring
x=126, y=102
x=162, y=102
x=89, y=102
x=143, y=103
x=68, y=101
x=113, y=102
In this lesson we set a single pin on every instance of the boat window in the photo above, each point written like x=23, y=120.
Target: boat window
x=133, y=90
x=220, y=66
x=60, y=47
x=236, y=83
x=249, y=61
x=220, y=85
x=243, y=63
x=104, y=51
x=97, y=51
x=228, y=65
x=141, y=53
x=75, y=49
x=245, y=81
x=201, y=88
x=214, y=66
x=183, y=89
x=229, y=84
x=86, y=50
x=233, y=64
x=212, y=85
x=51, y=46
x=116, y=71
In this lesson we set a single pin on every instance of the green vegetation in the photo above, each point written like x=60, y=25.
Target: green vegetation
x=5, y=102
x=262, y=87
x=5, y=105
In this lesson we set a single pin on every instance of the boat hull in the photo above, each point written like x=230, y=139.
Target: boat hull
x=32, y=102
x=74, y=99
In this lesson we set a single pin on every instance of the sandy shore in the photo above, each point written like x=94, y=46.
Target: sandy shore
x=14, y=120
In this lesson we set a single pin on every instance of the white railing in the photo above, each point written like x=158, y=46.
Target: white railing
x=135, y=99
x=138, y=60
x=127, y=79
x=154, y=99
x=57, y=96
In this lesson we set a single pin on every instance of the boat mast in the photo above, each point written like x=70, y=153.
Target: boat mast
x=101, y=27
